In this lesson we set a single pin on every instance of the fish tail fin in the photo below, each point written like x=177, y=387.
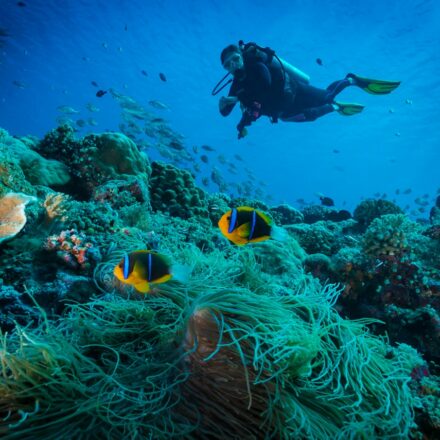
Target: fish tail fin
x=181, y=273
x=278, y=233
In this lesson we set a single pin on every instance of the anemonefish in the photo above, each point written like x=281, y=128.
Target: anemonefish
x=143, y=268
x=244, y=225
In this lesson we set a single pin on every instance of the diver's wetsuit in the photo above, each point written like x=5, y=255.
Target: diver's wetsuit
x=257, y=84
x=263, y=91
x=311, y=103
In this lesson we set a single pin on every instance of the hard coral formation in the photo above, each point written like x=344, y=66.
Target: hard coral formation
x=370, y=209
x=37, y=169
x=95, y=159
x=286, y=215
x=315, y=213
x=250, y=345
x=12, y=177
x=12, y=214
x=173, y=191
x=386, y=235
x=316, y=238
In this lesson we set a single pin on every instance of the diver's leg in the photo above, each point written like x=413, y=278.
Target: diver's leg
x=336, y=87
x=310, y=114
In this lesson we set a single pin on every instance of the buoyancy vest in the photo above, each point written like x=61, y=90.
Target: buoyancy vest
x=283, y=85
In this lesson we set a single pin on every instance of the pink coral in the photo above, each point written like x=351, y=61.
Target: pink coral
x=71, y=247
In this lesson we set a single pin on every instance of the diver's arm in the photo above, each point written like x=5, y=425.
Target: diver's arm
x=226, y=104
x=263, y=77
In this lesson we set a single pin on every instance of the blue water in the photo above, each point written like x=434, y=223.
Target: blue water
x=54, y=49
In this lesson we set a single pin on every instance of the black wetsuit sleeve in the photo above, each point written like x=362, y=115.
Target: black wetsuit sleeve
x=225, y=111
x=258, y=80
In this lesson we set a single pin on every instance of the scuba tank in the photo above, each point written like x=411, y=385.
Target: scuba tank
x=267, y=55
x=294, y=72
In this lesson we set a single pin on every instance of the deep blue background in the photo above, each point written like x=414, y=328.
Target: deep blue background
x=55, y=48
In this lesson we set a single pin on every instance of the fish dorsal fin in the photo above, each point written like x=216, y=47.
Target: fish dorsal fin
x=265, y=217
x=245, y=208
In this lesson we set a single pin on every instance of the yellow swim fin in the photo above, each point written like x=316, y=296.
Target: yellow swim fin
x=348, y=109
x=374, y=86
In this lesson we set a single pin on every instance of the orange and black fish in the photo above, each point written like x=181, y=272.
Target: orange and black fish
x=245, y=224
x=143, y=268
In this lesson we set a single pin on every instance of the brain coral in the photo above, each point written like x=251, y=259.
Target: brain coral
x=173, y=191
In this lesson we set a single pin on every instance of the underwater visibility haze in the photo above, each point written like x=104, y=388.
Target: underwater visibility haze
x=178, y=264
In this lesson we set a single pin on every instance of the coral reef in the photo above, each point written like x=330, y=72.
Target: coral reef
x=316, y=213
x=370, y=209
x=95, y=159
x=36, y=169
x=301, y=338
x=385, y=235
x=71, y=247
x=12, y=214
x=319, y=237
x=286, y=215
x=173, y=191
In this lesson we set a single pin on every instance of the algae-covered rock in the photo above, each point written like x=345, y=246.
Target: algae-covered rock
x=13, y=309
x=36, y=169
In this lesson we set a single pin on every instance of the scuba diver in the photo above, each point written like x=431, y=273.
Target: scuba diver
x=266, y=85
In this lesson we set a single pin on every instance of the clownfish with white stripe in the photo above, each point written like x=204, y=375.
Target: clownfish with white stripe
x=243, y=225
x=142, y=269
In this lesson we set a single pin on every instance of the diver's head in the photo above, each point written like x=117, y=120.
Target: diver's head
x=232, y=58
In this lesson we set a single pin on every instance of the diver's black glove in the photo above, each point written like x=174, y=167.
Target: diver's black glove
x=250, y=115
x=242, y=133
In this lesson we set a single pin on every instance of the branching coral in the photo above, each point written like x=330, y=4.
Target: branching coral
x=54, y=204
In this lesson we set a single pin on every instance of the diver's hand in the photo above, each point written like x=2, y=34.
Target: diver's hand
x=242, y=133
x=227, y=101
